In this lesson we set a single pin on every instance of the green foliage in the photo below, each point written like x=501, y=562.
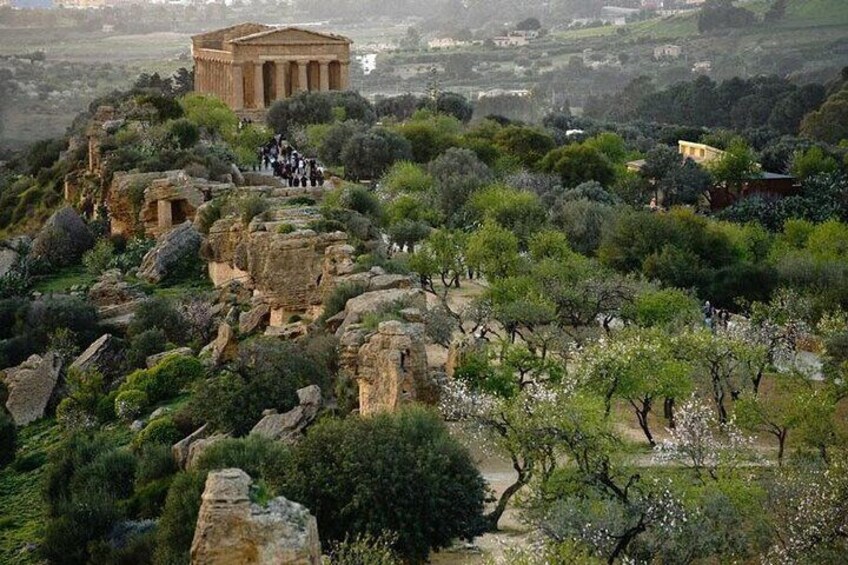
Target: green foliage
x=100, y=258
x=493, y=251
x=251, y=207
x=266, y=374
x=516, y=210
x=209, y=113
x=176, y=526
x=577, y=164
x=184, y=133
x=527, y=144
x=336, y=300
x=159, y=313
x=367, y=156
x=8, y=439
x=457, y=174
x=160, y=431
x=259, y=457
x=143, y=345
x=365, y=550
x=165, y=380
x=663, y=308
x=830, y=122
x=355, y=474
x=406, y=177
x=129, y=404
x=87, y=478
x=813, y=162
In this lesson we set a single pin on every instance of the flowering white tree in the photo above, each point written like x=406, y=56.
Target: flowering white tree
x=810, y=507
x=702, y=443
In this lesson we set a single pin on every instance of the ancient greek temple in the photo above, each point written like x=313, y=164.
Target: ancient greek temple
x=249, y=66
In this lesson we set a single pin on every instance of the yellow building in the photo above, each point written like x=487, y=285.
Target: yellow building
x=698, y=152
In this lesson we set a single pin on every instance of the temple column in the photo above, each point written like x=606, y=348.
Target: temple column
x=344, y=75
x=325, y=75
x=237, y=77
x=302, y=76
x=282, y=70
x=258, y=86
x=164, y=214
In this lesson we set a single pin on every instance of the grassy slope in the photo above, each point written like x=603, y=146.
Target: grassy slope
x=22, y=510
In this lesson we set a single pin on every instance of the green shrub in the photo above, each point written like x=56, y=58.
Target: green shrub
x=130, y=259
x=267, y=375
x=326, y=226
x=161, y=431
x=258, y=457
x=208, y=214
x=166, y=379
x=155, y=462
x=143, y=345
x=286, y=228
x=176, y=526
x=8, y=439
x=335, y=301
x=301, y=201
x=366, y=550
x=86, y=484
x=159, y=312
x=129, y=404
x=343, y=469
x=184, y=133
x=250, y=207
x=99, y=258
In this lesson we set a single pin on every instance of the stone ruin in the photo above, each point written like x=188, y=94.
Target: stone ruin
x=231, y=529
x=291, y=272
x=389, y=365
x=158, y=201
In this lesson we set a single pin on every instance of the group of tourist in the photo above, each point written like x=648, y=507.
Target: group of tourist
x=289, y=165
x=714, y=317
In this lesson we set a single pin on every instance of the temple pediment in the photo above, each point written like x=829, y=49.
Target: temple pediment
x=289, y=35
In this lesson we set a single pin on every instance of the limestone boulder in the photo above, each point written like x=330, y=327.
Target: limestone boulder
x=390, y=365
x=289, y=427
x=378, y=300
x=288, y=332
x=30, y=386
x=223, y=348
x=253, y=320
x=180, y=450
x=233, y=529
x=175, y=247
x=106, y=355
x=111, y=290
x=199, y=447
x=8, y=258
x=63, y=238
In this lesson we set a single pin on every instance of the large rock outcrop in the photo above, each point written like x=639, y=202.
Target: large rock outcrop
x=30, y=386
x=158, y=201
x=172, y=249
x=63, y=238
x=390, y=365
x=288, y=271
x=375, y=301
x=231, y=529
x=289, y=427
x=105, y=355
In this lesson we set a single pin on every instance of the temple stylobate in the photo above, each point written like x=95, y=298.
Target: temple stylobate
x=249, y=66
